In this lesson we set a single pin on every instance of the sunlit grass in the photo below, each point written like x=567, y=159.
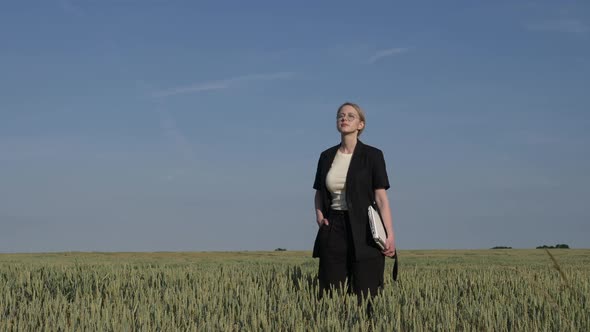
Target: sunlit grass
x=276, y=291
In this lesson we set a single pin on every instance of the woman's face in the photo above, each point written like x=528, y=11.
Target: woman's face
x=348, y=120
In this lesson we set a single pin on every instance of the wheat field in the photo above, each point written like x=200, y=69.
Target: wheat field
x=477, y=290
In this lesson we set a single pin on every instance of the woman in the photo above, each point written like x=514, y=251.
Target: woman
x=351, y=176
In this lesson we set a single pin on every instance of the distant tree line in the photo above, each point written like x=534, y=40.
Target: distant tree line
x=280, y=249
x=557, y=246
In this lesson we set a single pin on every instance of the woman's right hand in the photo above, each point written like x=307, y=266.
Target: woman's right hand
x=322, y=222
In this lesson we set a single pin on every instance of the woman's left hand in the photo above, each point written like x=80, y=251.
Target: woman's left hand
x=389, y=247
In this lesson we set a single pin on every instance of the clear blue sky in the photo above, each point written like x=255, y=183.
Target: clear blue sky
x=130, y=125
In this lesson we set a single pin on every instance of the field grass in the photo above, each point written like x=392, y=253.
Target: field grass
x=467, y=290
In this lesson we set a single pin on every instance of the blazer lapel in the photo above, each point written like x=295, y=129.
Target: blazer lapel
x=332, y=154
x=355, y=164
x=327, y=161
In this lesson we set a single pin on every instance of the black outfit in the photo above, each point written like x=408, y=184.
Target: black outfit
x=345, y=247
x=337, y=262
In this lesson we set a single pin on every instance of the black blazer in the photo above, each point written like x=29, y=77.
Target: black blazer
x=366, y=173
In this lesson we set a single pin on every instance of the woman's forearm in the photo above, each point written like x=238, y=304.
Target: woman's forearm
x=383, y=204
x=318, y=206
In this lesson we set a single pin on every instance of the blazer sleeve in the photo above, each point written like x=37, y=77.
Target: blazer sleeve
x=380, y=179
x=318, y=175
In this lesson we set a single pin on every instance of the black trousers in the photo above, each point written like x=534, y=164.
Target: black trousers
x=338, y=266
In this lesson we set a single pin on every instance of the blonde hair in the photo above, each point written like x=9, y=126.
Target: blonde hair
x=359, y=110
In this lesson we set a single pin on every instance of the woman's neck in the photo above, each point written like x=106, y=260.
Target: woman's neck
x=348, y=143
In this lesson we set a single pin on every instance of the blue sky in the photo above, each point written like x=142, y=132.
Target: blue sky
x=183, y=125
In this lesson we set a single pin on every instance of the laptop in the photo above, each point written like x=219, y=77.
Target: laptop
x=377, y=230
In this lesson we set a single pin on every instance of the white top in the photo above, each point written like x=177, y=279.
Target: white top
x=336, y=180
